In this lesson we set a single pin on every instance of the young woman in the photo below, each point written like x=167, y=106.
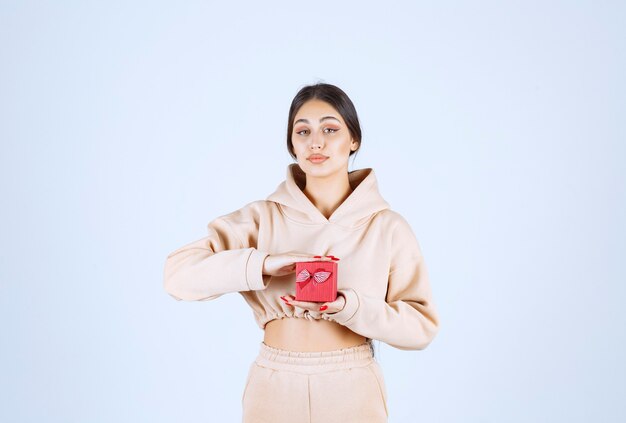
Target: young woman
x=316, y=362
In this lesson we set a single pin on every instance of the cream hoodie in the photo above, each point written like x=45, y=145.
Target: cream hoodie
x=381, y=271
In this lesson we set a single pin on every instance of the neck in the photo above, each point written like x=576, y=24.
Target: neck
x=328, y=192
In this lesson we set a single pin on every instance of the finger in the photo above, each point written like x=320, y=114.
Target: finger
x=315, y=258
x=291, y=300
x=334, y=306
x=309, y=305
x=338, y=302
x=330, y=309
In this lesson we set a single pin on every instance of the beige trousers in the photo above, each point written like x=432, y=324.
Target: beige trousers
x=343, y=386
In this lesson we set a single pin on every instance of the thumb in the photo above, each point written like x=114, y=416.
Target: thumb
x=334, y=306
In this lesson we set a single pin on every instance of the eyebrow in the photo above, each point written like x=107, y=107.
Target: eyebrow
x=324, y=118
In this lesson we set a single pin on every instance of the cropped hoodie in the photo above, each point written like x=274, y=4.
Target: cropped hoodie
x=381, y=271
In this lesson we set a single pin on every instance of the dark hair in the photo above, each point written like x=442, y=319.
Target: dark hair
x=332, y=95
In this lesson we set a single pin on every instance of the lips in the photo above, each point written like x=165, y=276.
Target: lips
x=317, y=158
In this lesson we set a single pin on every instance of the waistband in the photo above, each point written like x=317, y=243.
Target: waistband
x=314, y=361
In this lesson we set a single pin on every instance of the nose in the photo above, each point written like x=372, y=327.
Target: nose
x=317, y=142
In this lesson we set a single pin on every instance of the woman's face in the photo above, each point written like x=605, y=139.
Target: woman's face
x=319, y=129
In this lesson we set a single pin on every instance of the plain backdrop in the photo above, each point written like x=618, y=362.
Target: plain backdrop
x=496, y=128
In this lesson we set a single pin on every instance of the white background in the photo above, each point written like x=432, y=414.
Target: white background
x=495, y=128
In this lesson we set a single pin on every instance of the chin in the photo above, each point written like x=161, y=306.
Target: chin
x=324, y=169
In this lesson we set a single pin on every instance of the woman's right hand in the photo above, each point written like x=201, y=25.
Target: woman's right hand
x=284, y=264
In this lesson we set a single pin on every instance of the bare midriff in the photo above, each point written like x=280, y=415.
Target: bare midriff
x=298, y=334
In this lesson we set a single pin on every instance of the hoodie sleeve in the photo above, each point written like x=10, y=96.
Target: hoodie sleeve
x=406, y=318
x=217, y=264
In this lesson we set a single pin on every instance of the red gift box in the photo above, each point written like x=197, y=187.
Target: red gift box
x=316, y=281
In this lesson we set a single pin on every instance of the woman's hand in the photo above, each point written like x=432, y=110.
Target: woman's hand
x=327, y=307
x=284, y=264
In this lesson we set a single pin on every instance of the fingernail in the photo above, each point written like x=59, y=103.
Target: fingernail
x=317, y=256
x=335, y=258
x=322, y=308
x=283, y=298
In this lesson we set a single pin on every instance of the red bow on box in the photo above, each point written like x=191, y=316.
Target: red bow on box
x=304, y=277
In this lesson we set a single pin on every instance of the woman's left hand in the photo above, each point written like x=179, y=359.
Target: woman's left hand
x=327, y=307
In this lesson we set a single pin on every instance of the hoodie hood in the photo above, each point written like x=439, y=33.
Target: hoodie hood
x=364, y=201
